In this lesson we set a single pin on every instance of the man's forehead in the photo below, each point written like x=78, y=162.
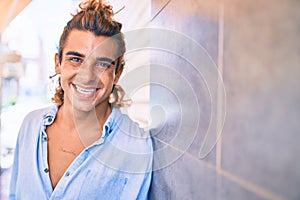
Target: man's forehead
x=87, y=43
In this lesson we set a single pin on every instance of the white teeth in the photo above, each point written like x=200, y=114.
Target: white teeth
x=84, y=91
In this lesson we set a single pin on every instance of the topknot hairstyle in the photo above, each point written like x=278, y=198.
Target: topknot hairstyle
x=97, y=17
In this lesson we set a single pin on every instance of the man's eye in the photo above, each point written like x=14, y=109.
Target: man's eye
x=102, y=64
x=75, y=59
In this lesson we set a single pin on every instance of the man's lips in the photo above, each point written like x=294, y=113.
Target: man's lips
x=86, y=91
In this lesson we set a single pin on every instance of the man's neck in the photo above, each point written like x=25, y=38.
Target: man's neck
x=88, y=124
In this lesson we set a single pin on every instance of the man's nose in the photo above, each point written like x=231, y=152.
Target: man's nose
x=86, y=73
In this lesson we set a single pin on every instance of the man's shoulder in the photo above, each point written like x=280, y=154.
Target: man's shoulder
x=123, y=122
x=32, y=123
x=133, y=137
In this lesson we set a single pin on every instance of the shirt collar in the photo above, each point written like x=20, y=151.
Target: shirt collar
x=108, y=128
x=49, y=116
x=111, y=122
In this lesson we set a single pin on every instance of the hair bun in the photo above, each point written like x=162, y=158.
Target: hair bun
x=98, y=6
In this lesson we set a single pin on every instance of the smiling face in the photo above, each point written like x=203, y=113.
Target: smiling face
x=88, y=70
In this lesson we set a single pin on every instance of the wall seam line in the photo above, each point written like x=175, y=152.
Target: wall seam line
x=220, y=99
x=260, y=191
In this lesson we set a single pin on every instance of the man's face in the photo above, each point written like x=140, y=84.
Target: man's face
x=87, y=70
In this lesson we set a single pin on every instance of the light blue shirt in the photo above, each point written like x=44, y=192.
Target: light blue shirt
x=117, y=166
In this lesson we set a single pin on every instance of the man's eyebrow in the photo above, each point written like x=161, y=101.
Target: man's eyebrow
x=74, y=53
x=106, y=59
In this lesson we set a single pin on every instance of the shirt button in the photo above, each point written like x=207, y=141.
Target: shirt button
x=46, y=170
x=68, y=174
x=45, y=138
x=49, y=119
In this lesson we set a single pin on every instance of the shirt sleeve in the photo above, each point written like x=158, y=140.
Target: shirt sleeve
x=139, y=184
x=143, y=193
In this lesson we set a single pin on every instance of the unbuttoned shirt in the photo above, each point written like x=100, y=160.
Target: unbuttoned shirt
x=117, y=166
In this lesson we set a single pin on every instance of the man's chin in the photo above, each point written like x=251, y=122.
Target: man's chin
x=83, y=106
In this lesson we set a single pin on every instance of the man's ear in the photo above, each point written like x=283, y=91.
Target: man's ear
x=57, y=64
x=118, y=74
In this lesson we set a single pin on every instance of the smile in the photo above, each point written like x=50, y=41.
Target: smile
x=84, y=90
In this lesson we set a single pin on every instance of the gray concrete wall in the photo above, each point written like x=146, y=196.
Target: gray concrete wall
x=256, y=49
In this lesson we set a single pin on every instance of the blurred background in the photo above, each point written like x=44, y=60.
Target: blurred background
x=28, y=39
x=255, y=48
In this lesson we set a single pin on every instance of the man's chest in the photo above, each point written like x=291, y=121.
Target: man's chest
x=63, y=148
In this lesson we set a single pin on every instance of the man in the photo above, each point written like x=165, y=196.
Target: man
x=83, y=147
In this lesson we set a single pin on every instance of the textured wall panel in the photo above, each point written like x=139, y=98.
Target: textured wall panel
x=261, y=73
x=183, y=100
x=257, y=51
